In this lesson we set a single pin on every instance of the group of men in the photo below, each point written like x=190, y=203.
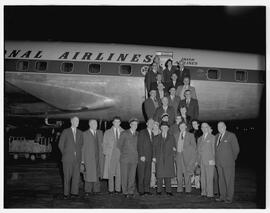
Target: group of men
x=171, y=147
x=119, y=154
x=170, y=93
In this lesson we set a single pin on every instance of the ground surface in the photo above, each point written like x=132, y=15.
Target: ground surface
x=39, y=185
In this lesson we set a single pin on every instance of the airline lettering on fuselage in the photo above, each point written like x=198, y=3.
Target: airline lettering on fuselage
x=87, y=56
x=26, y=54
x=190, y=61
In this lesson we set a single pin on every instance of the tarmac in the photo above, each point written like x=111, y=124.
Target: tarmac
x=38, y=184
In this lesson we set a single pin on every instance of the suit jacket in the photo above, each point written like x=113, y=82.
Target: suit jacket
x=174, y=129
x=149, y=78
x=189, y=150
x=159, y=98
x=227, y=150
x=180, y=91
x=154, y=85
x=164, y=154
x=182, y=74
x=206, y=149
x=160, y=111
x=174, y=103
x=149, y=108
x=187, y=121
x=111, y=152
x=71, y=150
x=168, y=73
x=145, y=145
x=197, y=133
x=192, y=108
x=94, y=166
x=176, y=85
x=127, y=145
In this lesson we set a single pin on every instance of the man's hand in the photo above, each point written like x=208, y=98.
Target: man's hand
x=154, y=160
x=142, y=158
x=82, y=168
x=211, y=162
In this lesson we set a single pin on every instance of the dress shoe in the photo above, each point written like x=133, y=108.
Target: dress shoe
x=228, y=201
x=131, y=195
x=148, y=193
x=74, y=195
x=111, y=193
x=219, y=199
x=117, y=193
x=126, y=196
x=169, y=193
x=66, y=197
x=158, y=193
x=142, y=194
x=87, y=194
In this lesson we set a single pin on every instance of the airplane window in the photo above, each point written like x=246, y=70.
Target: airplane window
x=125, y=70
x=41, y=65
x=241, y=75
x=22, y=65
x=67, y=67
x=94, y=68
x=261, y=76
x=213, y=74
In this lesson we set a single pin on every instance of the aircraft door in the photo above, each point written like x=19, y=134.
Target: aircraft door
x=163, y=57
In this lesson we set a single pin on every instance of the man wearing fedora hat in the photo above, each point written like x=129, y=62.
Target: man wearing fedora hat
x=128, y=157
x=163, y=154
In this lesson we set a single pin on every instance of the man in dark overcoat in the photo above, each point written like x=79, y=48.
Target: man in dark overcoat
x=92, y=158
x=145, y=153
x=163, y=154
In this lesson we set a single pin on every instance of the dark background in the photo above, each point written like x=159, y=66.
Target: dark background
x=227, y=28
x=238, y=29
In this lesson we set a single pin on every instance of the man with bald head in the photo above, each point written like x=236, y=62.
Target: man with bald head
x=206, y=160
x=70, y=145
x=227, y=150
x=92, y=158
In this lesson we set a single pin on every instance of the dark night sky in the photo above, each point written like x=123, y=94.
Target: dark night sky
x=240, y=29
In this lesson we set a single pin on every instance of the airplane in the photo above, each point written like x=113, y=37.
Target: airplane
x=92, y=80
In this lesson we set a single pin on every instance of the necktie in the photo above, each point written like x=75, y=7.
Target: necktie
x=219, y=139
x=150, y=135
x=164, y=136
x=182, y=135
x=74, y=134
x=94, y=133
x=187, y=102
x=116, y=134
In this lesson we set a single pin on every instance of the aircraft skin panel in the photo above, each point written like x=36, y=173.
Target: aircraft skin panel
x=83, y=93
x=228, y=100
x=110, y=93
x=103, y=97
x=132, y=54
